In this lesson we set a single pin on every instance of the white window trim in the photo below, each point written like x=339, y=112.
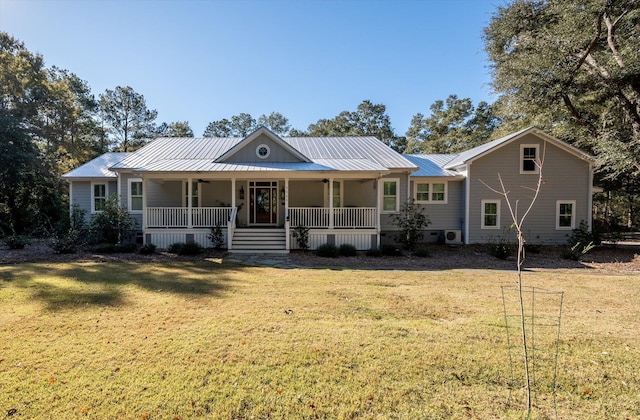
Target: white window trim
x=185, y=192
x=537, y=161
x=381, y=182
x=430, y=200
x=573, y=214
x=93, y=198
x=129, y=197
x=482, y=214
x=260, y=146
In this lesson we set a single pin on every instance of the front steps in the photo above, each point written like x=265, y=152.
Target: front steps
x=259, y=240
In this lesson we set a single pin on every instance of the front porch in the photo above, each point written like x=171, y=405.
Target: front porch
x=275, y=206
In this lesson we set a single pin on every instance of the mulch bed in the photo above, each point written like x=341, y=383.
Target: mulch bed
x=621, y=258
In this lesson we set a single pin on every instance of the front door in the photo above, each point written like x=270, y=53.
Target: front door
x=263, y=202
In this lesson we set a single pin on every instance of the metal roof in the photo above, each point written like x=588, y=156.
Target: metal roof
x=206, y=165
x=328, y=153
x=98, y=167
x=431, y=165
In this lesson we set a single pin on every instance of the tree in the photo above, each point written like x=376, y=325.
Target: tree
x=573, y=69
x=368, y=120
x=130, y=122
x=175, y=129
x=240, y=125
x=275, y=122
x=454, y=125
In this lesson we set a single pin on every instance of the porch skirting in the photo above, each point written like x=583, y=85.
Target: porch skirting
x=362, y=239
x=162, y=238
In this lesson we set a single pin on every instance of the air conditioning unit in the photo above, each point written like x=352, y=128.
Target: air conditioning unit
x=452, y=237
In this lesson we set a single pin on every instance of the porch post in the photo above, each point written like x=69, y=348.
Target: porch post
x=189, y=200
x=330, y=203
x=233, y=192
x=376, y=184
x=144, y=204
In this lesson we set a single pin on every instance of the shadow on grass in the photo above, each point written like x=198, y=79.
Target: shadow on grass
x=69, y=285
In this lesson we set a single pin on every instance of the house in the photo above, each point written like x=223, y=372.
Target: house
x=344, y=189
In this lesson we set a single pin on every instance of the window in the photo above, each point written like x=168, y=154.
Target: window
x=135, y=195
x=195, y=199
x=490, y=214
x=99, y=197
x=529, y=159
x=435, y=192
x=263, y=151
x=390, y=197
x=565, y=215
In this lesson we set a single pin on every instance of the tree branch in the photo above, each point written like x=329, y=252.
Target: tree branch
x=610, y=41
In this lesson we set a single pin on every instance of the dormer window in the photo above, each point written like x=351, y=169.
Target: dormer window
x=529, y=160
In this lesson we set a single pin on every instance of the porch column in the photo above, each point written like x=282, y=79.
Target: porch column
x=376, y=186
x=330, y=203
x=144, y=203
x=233, y=192
x=189, y=200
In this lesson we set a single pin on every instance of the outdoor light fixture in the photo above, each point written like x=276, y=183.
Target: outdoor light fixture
x=282, y=194
x=242, y=192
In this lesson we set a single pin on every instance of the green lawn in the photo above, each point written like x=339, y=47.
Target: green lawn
x=204, y=339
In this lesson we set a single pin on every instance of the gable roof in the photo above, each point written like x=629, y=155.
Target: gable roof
x=251, y=137
x=470, y=155
x=186, y=154
x=98, y=167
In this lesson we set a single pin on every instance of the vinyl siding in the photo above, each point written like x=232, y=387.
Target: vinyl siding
x=164, y=194
x=445, y=216
x=248, y=152
x=359, y=193
x=566, y=177
x=306, y=193
x=81, y=191
x=385, y=218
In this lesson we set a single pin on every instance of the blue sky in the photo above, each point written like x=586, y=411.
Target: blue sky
x=200, y=61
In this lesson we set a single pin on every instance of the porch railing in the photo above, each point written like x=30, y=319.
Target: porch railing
x=170, y=217
x=343, y=217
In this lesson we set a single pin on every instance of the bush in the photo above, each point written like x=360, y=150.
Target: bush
x=112, y=224
x=501, y=250
x=175, y=247
x=347, y=250
x=411, y=222
x=301, y=233
x=147, y=249
x=576, y=251
x=421, y=252
x=582, y=235
x=66, y=243
x=216, y=237
x=16, y=241
x=390, y=250
x=126, y=248
x=373, y=252
x=327, y=250
x=190, y=248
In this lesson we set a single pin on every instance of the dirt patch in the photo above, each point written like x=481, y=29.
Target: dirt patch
x=622, y=258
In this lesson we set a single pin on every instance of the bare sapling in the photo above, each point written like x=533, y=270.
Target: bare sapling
x=517, y=224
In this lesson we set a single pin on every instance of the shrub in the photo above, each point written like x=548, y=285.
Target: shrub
x=175, y=247
x=501, y=250
x=390, y=250
x=576, y=251
x=301, y=233
x=16, y=241
x=411, y=221
x=327, y=250
x=190, y=248
x=112, y=224
x=347, y=250
x=66, y=243
x=105, y=248
x=126, y=248
x=216, y=237
x=147, y=249
x=421, y=252
x=373, y=252
x=582, y=235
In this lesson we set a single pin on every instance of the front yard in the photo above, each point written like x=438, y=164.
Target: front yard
x=191, y=339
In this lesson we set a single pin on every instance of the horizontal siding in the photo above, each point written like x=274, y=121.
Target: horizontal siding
x=81, y=196
x=385, y=218
x=446, y=216
x=164, y=194
x=359, y=193
x=566, y=177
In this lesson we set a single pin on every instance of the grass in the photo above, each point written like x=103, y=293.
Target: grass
x=210, y=340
